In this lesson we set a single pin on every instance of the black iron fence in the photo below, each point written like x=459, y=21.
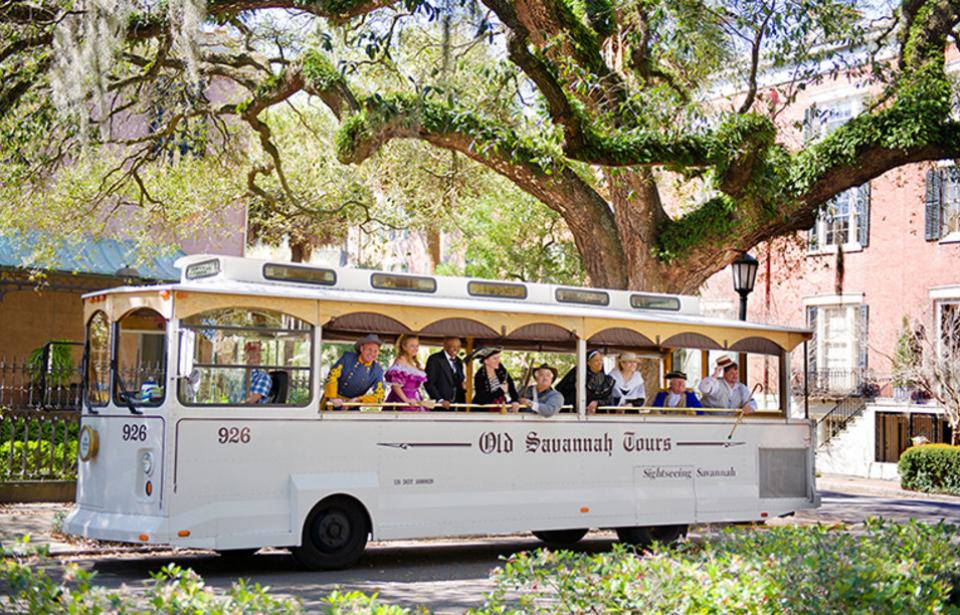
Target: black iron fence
x=48, y=379
x=38, y=445
x=40, y=413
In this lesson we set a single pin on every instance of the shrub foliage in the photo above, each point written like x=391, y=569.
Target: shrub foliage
x=931, y=468
x=889, y=568
x=886, y=568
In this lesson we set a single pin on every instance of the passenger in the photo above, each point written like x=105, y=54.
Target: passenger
x=405, y=376
x=492, y=384
x=356, y=376
x=446, y=381
x=676, y=395
x=630, y=390
x=541, y=397
x=599, y=384
x=724, y=390
x=260, y=381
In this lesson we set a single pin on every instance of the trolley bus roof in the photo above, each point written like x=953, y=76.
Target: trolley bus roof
x=346, y=304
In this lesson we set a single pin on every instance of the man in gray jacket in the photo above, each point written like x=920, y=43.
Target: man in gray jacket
x=541, y=397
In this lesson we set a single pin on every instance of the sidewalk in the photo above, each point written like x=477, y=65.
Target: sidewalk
x=876, y=488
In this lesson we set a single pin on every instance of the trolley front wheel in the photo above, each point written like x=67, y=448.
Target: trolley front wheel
x=334, y=535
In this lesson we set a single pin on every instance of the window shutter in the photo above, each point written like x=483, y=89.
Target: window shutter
x=863, y=215
x=810, y=123
x=932, y=204
x=862, y=336
x=812, y=347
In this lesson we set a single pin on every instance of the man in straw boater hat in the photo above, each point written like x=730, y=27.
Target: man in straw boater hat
x=541, y=397
x=724, y=389
x=356, y=376
x=676, y=395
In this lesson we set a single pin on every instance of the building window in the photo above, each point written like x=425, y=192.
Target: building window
x=844, y=221
x=821, y=119
x=837, y=358
x=948, y=333
x=942, y=204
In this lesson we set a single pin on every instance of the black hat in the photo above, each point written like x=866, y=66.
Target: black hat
x=676, y=374
x=545, y=366
x=485, y=352
x=370, y=338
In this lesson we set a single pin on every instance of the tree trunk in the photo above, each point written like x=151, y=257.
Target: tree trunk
x=433, y=249
x=300, y=251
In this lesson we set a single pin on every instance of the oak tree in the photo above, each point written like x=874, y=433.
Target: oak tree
x=612, y=104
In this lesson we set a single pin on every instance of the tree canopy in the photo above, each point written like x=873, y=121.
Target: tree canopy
x=598, y=109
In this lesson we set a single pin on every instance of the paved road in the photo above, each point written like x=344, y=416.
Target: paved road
x=450, y=576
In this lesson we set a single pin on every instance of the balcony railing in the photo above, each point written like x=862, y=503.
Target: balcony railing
x=836, y=383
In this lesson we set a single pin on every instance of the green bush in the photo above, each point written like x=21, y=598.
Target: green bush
x=27, y=588
x=33, y=462
x=933, y=468
x=889, y=568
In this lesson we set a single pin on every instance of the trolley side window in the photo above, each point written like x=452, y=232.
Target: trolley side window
x=141, y=358
x=98, y=360
x=237, y=357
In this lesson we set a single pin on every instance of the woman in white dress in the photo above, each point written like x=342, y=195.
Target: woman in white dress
x=629, y=390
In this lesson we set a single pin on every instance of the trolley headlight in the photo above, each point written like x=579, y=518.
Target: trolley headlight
x=89, y=443
x=146, y=462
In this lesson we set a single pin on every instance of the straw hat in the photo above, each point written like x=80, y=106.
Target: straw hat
x=726, y=363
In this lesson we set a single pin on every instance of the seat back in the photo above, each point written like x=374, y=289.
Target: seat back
x=279, y=388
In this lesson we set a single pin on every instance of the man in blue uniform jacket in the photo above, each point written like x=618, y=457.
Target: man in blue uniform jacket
x=676, y=395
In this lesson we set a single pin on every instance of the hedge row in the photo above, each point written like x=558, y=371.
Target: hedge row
x=888, y=568
x=933, y=468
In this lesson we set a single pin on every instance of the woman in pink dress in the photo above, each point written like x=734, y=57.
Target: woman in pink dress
x=405, y=376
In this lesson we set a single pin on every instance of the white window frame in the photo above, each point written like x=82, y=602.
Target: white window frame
x=953, y=236
x=852, y=244
x=832, y=104
x=849, y=301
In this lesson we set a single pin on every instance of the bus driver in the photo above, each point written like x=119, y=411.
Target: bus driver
x=260, y=381
x=356, y=376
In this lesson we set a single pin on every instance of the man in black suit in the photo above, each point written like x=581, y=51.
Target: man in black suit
x=446, y=382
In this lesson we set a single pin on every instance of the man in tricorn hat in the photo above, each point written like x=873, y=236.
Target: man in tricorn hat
x=724, y=389
x=541, y=397
x=356, y=376
x=676, y=395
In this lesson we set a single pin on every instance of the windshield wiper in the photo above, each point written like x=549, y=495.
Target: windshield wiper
x=124, y=393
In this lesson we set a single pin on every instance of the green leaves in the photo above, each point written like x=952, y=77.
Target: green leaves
x=933, y=468
x=889, y=568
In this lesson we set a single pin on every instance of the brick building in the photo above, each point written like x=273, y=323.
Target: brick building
x=878, y=253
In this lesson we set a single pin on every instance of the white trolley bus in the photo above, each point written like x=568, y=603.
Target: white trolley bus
x=170, y=453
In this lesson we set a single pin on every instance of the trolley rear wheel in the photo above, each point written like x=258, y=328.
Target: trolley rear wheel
x=645, y=536
x=334, y=535
x=560, y=537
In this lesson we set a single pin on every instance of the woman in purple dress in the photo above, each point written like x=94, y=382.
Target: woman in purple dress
x=405, y=376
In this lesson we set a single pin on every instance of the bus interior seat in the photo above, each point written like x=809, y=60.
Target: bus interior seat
x=281, y=384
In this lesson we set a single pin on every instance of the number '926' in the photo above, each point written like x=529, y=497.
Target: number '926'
x=233, y=435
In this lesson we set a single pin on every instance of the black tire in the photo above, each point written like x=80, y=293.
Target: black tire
x=237, y=554
x=334, y=535
x=560, y=537
x=644, y=537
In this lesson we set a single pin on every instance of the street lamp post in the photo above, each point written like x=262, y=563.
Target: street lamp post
x=744, y=277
